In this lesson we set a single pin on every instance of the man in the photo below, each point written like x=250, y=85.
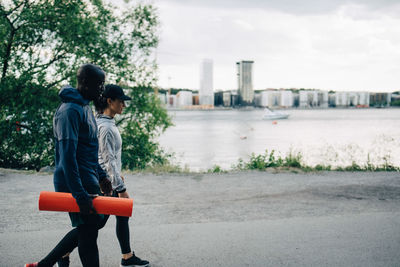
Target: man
x=77, y=169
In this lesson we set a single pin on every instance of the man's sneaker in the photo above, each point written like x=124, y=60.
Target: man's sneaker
x=63, y=262
x=133, y=262
x=35, y=264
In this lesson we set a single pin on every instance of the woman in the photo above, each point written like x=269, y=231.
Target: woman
x=110, y=144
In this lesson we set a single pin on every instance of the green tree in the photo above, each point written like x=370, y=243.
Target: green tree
x=144, y=122
x=43, y=42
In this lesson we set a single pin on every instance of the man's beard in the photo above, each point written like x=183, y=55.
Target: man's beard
x=90, y=94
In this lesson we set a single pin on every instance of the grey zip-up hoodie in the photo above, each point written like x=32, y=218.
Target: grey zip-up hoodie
x=110, y=146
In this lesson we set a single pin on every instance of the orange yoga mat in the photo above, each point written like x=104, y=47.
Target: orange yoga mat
x=56, y=201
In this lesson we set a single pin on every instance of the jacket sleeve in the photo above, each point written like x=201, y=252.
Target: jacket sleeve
x=67, y=150
x=100, y=172
x=67, y=129
x=109, y=157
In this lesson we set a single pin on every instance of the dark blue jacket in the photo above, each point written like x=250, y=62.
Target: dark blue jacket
x=75, y=131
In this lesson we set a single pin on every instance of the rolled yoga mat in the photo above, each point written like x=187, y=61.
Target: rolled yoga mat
x=57, y=201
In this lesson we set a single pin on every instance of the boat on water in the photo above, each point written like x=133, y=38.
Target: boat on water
x=274, y=115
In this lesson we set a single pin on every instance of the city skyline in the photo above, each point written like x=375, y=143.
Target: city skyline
x=337, y=45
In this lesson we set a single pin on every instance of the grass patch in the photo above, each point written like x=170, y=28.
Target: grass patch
x=216, y=169
x=294, y=161
x=165, y=168
x=270, y=160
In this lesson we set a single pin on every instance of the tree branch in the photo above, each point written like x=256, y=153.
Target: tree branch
x=59, y=54
x=8, y=53
x=56, y=82
x=10, y=39
x=15, y=8
x=5, y=15
x=41, y=67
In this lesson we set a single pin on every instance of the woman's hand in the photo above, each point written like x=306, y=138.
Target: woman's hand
x=123, y=195
x=105, y=186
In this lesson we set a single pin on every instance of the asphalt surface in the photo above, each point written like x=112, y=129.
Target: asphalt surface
x=233, y=219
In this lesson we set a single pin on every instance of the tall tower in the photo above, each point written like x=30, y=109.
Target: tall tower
x=245, y=82
x=206, y=92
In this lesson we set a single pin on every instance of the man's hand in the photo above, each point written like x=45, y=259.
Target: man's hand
x=106, y=186
x=123, y=195
x=123, y=179
x=87, y=208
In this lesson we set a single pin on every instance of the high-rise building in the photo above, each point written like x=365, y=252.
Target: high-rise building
x=245, y=82
x=206, y=92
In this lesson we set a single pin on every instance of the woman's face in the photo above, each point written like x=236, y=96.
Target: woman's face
x=116, y=106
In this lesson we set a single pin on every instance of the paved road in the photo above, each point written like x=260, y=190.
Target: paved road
x=235, y=219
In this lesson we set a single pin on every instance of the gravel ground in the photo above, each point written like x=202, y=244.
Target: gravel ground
x=233, y=219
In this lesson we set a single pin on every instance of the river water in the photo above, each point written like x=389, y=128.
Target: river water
x=336, y=137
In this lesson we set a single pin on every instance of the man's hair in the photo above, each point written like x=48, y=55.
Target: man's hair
x=89, y=72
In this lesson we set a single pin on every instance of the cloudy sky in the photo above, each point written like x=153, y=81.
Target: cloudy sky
x=325, y=44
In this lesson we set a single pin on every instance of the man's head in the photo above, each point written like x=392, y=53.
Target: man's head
x=90, y=81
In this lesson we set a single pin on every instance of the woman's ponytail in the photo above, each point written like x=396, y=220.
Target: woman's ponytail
x=100, y=104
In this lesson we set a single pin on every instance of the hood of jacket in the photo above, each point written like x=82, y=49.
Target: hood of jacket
x=68, y=94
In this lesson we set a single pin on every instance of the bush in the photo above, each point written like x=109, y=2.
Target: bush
x=320, y=167
x=26, y=125
x=292, y=160
x=266, y=160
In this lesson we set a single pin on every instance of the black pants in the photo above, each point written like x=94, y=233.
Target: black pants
x=85, y=238
x=121, y=229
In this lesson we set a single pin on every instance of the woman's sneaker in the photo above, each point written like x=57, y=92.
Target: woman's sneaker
x=134, y=262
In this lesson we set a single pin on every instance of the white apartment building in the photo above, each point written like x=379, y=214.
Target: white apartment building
x=184, y=98
x=308, y=99
x=341, y=99
x=363, y=98
x=275, y=98
x=286, y=99
x=313, y=98
x=323, y=99
x=346, y=99
x=269, y=98
x=206, y=92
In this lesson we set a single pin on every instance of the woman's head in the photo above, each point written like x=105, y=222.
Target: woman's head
x=112, y=101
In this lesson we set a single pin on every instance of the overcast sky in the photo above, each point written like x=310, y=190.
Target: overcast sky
x=324, y=44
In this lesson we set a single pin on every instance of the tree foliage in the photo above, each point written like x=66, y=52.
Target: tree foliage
x=141, y=126
x=43, y=42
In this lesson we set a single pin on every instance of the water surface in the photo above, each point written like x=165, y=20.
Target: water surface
x=337, y=137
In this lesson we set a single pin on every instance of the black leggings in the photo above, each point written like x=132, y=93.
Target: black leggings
x=122, y=230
